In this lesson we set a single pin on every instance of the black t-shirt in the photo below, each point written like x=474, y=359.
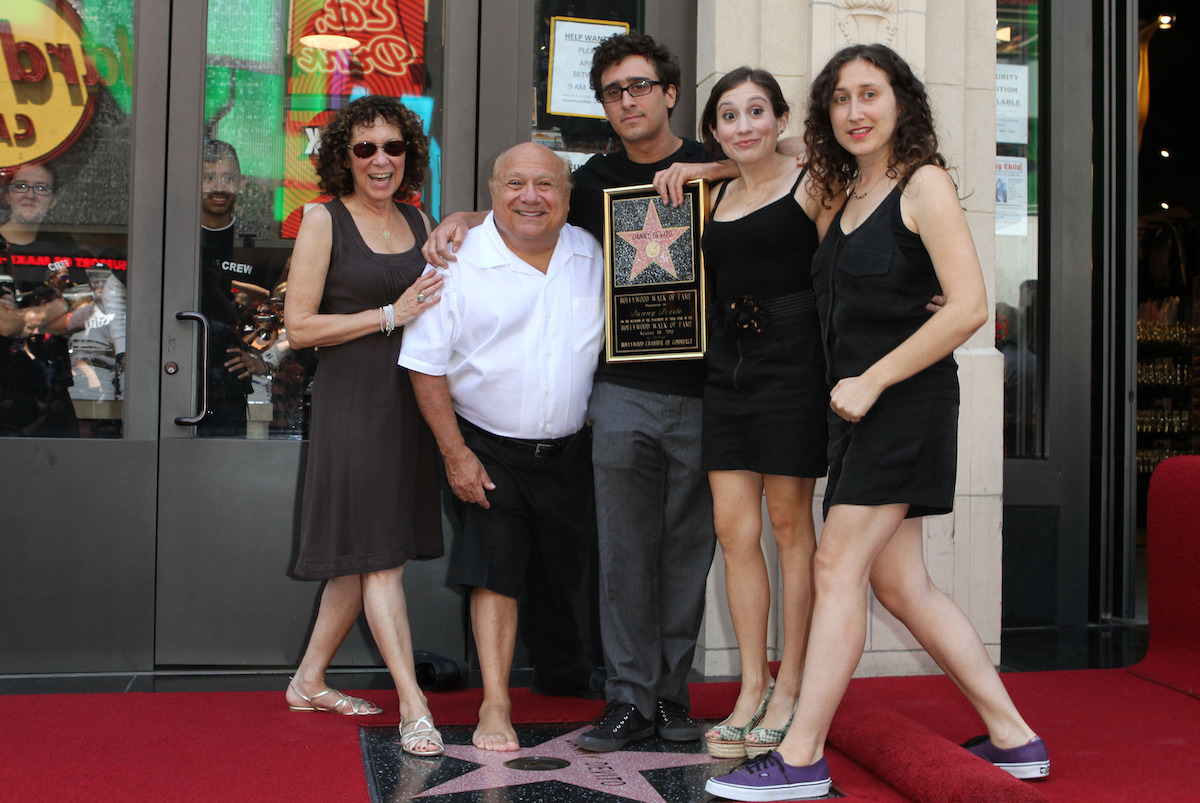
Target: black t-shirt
x=601, y=172
x=30, y=264
x=227, y=260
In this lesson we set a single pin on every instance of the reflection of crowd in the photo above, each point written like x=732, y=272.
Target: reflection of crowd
x=62, y=321
x=256, y=382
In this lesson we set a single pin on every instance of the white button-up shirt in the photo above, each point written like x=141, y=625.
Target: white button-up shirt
x=518, y=347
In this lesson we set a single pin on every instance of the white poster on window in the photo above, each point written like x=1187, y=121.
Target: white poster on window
x=1012, y=192
x=572, y=41
x=1012, y=103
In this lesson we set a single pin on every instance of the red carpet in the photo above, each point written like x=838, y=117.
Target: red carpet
x=1113, y=734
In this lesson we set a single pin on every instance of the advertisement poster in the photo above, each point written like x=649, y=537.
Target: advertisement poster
x=1012, y=192
x=572, y=41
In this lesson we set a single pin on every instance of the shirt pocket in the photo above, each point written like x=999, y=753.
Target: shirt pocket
x=864, y=262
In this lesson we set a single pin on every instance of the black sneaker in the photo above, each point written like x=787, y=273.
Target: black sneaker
x=674, y=723
x=620, y=724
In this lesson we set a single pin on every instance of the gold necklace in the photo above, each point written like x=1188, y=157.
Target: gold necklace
x=855, y=194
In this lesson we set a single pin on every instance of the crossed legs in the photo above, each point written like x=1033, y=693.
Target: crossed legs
x=381, y=595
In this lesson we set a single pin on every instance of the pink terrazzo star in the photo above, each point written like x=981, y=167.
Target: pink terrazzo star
x=653, y=244
x=618, y=773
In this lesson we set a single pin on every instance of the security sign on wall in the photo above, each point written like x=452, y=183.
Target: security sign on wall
x=47, y=79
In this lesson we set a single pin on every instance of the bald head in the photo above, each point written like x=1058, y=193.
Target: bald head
x=531, y=150
x=530, y=186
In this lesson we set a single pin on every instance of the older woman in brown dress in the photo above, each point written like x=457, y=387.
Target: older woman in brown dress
x=371, y=490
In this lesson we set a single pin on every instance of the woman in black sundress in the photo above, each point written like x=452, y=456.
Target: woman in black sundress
x=371, y=490
x=765, y=398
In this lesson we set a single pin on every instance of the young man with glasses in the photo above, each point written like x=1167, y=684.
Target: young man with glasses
x=654, y=510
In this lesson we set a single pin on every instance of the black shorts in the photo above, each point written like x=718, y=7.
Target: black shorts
x=903, y=451
x=542, y=509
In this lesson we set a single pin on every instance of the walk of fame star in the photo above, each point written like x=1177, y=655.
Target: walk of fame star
x=652, y=243
x=672, y=772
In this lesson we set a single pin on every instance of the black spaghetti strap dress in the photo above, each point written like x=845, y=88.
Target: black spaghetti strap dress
x=765, y=399
x=371, y=491
x=872, y=286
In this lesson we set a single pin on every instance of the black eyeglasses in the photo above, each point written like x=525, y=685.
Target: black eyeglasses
x=639, y=88
x=39, y=189
x=365, y=150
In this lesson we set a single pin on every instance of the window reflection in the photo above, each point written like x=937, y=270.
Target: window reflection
x=567, y=118
x=1018, y=56
x=266, y=96
x=64, y=200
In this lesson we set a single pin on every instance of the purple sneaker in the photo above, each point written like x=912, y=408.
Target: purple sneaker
x=1030, y=760
x=769, y=778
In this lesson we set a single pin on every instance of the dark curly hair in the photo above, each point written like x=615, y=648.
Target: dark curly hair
x=742, y=75
x=914, y=142
x=621, y=46
x=333, y=170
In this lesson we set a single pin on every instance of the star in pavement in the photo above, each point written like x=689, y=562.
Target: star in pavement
x=618, y=773
x=653, y=244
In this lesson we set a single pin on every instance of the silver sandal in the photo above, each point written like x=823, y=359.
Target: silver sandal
x=421, y=730
x=345, y=705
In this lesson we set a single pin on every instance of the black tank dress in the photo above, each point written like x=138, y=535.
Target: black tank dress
x=872, y=286
x=371, y=490
x=765, y=399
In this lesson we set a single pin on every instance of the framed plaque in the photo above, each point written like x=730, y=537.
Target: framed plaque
x=655, y=289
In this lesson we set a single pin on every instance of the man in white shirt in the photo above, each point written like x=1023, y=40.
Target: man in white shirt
x=502, y=369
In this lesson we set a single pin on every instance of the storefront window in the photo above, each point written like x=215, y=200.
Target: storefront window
x=65, y=115
x=1018, y=312
x=566, y=115
x=267, y=94
x=1168, y=290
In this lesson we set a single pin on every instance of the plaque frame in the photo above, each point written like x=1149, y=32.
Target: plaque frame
x=667, y=303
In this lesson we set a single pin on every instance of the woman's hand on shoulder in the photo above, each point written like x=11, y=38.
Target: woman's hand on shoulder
x=420, y=296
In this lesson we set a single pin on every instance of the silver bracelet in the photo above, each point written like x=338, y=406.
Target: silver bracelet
x=389, y=313
x=381, y=320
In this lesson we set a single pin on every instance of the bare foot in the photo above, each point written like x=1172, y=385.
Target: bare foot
x=495, y=730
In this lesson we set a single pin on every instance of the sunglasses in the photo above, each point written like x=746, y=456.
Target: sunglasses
x=365, y=150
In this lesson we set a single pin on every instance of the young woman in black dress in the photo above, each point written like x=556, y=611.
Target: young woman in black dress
x=765, y=399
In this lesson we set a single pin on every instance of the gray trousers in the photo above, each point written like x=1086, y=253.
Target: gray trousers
x=656, y=538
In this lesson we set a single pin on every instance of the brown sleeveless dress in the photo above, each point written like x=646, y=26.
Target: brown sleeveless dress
x=371, y=489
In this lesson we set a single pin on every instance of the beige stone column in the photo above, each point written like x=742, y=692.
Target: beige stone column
x=951, y=46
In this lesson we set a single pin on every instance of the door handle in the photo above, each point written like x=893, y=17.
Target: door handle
x=192, y=420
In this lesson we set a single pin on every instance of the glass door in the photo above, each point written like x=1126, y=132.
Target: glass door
x=80, y=293
x=247, y=101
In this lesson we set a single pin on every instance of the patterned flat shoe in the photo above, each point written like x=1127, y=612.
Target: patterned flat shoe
x=764, y=740
x=729, y=741
x=343, y=704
